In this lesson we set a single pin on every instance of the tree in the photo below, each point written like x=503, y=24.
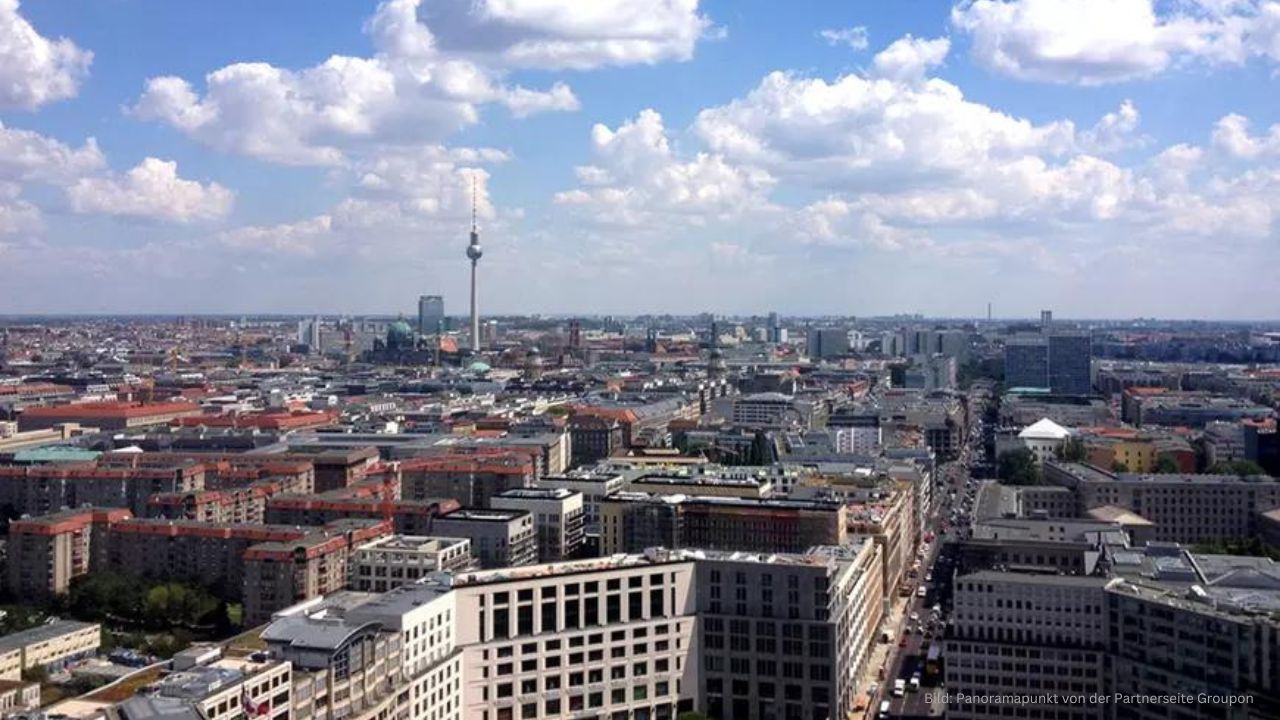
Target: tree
x=1018, y=467
x=1072, y=451
x=1119, y=466
x=1243, y=468
x=1166, y=465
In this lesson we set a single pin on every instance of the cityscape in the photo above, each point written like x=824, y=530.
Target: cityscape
x=861, y=398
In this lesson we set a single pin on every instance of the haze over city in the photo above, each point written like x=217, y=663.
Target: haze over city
x=1099, y=157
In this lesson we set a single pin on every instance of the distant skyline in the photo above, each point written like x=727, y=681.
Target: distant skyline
x=1107, y=159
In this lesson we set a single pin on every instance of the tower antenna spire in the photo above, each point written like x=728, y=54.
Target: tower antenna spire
x=473, y=203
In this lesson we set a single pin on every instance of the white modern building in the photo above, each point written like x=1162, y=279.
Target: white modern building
x=394, y=560
x=558, y=518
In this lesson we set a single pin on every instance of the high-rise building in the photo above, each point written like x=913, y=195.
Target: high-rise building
x=1070, y=363
x=827, y=342
x=1060, y=362
x=430, y=314
x=1026, y=363
x=1046, y=320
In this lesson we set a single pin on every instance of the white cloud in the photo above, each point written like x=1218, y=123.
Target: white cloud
x=870, y=129
x=152, y=190
x=35, y=70
x=16, y=215
x=434, y=68
x=1093, y=42
x=1231, y=135
x=29, y=156
x=1115, y=130
x=907, y=58
x=556, y=34
x=637, y=179
x=854, y=38
x=523, y=102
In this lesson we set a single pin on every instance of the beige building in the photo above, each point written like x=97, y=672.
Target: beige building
x=389, y=562
x=1182, y=508
x=227, y=689
x=17, y=696
x=50, y=646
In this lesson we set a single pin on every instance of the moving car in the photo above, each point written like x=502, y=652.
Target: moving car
x=899, y=687
x=884, y=710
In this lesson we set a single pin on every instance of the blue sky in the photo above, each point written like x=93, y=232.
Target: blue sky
x=1106, y=158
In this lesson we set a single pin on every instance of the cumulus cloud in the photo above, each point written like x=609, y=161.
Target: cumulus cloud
x=1231, y=136
x=637, y=178
x=35, y=70
x=152, y=190
x=854, y=38
x=908, y=58
x=29, y=156
x=434, y=68
x=561, y=34
x=1094, y=42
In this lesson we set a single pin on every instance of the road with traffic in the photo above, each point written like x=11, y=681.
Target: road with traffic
x=930, y=602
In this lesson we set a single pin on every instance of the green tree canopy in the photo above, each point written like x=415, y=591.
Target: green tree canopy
x=1166, y=465
x=1243, y=468
x=1018, y=467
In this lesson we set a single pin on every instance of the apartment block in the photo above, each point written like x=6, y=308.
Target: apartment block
x=410, y=517
x=42, y=489
x=45, y=554
x=468, y=479
x=558, y=518
x=283, y=573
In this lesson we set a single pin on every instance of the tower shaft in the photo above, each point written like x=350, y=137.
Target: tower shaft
x=475, y=312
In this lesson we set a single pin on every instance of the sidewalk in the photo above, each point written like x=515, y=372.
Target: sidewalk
x=882, y=653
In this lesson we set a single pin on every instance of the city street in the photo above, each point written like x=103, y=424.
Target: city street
x=917, y=625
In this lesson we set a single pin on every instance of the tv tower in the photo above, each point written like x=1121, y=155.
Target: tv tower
x=474, y=252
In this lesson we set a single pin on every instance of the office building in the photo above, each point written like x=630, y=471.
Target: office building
x=227, y=689
x=594, y=486
x=1024, y=633
x=827, y=342
x=499, y=538
x=631, y=522
x=1181, y=508
x=786, y=635
x=389, y=562
x=430, y=314
x=558, y=518
x=1059, y=362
